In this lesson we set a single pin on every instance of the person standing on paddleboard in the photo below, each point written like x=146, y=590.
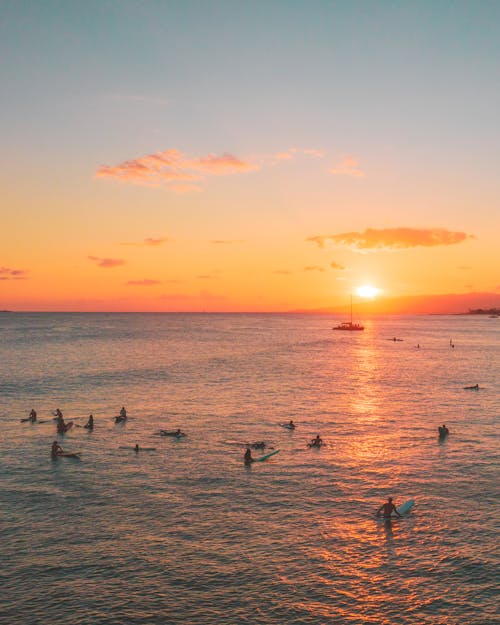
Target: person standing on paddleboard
x=388, y=507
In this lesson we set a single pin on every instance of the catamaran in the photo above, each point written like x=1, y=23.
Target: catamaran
x=349, y=325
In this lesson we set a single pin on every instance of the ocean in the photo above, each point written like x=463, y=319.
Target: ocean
x=185, y=533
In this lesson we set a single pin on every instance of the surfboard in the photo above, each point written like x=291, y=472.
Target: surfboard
x=262, y=458
x=69, y=455
x=403, y=510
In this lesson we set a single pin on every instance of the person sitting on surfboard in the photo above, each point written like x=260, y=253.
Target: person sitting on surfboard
x=56, y=450
x=33, y=415
x=248, y=456
x=291, y=425
x=316, y=442
x=123, y=413
x=443, y=431
x=90, y=423
x=388, y=507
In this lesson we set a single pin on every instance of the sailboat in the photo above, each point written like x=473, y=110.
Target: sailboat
x=349, y=325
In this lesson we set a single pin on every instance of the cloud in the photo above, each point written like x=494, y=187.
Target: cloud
x=144, y=282
x=393, y=238
x=6, y=273
x=149, y=242
x=226, y=241
x=282, y=272
x=348, y=166
x=175, y=169
x=335, y=265
x=313, y=268
x=107, y=262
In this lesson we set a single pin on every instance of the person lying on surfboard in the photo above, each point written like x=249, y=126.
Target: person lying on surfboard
x=388, y=507
x=56, y=450
x=248, y=456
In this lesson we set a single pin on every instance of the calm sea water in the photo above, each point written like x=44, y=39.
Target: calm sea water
x=186, y=534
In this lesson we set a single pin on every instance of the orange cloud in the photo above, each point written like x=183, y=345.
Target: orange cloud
x=107, y=262
x=150, y=241
x=171, y=167
x=282, y=272
x=394, y=238
x=226, y=241
x=144, y=282
x=313, y=268
x=348, y=166
x=6, y=273
x=335, y=265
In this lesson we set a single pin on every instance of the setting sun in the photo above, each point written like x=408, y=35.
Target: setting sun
x=367, y=291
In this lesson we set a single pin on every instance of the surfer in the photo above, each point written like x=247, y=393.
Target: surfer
x=443, y=431
x=136, y=448
x=248, y=456
x=61, y=426
x=123, y=413
x=291, y=425
x=388, y=507
x=259, y=445
x=32, y=415
x=90, y=423
x=56, y=450
x=316, y=442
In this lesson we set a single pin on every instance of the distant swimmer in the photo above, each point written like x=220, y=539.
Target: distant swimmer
x=387, y=508
x=316, y=442
x=90, y=423
x=247, y=459
x=472, y=388
x=32, y=415
x=258, y=445
x=443, y=431
x=56, y=450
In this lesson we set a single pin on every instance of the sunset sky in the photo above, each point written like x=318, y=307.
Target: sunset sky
x=248, y=156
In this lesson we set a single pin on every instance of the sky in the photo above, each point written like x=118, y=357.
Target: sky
x=248, y=155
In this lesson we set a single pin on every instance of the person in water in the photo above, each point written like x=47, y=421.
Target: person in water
x=136, y=448
x=443, y=431
x=291, y=425
x=56, y=450
x=33, y=415
x=316, y=442
x=61, y=426
x=388, y=508
x=248, y=456
x=90, y=423
x=123, y=413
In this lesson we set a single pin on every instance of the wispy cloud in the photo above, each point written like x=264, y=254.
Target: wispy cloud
x=226, y=241
x=172, y=167
x=144, y=282
x=348, y=166
x=393, y=238
x=183, y=174
x=6, y=273
x=149, y=242
x=282, y=272
x=335, y=265
x=107, y=263
x=314, y=268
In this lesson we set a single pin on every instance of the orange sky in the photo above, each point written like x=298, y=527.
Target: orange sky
x=153, y=160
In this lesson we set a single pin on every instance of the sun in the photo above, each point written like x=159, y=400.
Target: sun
x=367, y=291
